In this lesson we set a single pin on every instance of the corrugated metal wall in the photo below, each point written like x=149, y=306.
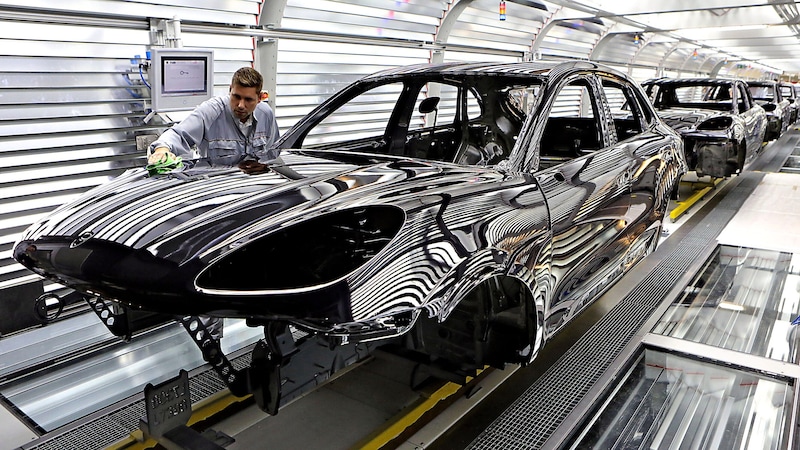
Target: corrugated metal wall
x=71, y=100
x=571, y=39
x=309, y=71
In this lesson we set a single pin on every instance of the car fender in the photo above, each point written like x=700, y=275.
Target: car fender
x=483, y=266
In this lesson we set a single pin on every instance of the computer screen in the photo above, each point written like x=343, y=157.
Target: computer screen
x=180, y=79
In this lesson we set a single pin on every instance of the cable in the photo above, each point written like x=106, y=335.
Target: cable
x=141, y=75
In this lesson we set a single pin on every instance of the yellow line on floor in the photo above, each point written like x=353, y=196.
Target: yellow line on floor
x=410, y=417
x=684, y=206
x=202, y=411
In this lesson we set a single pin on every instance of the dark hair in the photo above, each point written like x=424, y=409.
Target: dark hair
x=248, y=77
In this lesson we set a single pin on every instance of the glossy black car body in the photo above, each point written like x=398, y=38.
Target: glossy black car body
x=722, y=126
x=768, y=95
x=491, y=204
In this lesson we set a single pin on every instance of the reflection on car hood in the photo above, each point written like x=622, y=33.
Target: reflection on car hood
x=190, y=213
x=683, y=118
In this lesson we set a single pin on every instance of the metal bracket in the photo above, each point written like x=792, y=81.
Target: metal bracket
x=112, y=316
x=236, y=380
x=168, y=408
x=263, y=378
x=281, y=368
x=165, y=32
x=269, y=356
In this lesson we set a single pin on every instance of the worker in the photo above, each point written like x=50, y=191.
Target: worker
x=230, y=130
x=234, y=129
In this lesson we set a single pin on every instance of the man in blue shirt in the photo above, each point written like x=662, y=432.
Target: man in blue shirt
x=233, y=130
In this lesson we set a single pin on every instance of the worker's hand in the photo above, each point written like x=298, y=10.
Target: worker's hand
x=251, y=167
x=159, y=155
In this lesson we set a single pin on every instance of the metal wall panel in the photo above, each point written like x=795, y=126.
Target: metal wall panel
x=415, y=20
x=642, y=74
x=71, y=99
x=653, y=53
x=619, y=47
x=455, y=56
x=239, y=12
x=676, y=61
x=309, y=71
x=303, y=84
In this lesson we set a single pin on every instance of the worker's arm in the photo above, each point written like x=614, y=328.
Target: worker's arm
x=182, y=137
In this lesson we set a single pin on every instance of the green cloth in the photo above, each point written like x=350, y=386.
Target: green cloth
x=168, y=165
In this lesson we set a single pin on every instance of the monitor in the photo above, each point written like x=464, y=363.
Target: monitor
x=180, y=79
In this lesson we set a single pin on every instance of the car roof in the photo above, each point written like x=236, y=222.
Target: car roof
x=541, y=69
x=706, y=81
x=763, y=83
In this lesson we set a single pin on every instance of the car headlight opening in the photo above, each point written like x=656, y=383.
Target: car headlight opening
x=314, y=252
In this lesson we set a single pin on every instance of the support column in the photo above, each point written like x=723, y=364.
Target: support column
x=266, y=49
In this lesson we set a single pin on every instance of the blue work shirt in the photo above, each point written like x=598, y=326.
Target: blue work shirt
x=212, y=129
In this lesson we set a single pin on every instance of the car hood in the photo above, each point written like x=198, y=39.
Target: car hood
x=686, y=118
x=204, y=212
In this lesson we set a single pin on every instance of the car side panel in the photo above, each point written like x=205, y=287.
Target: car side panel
x=755, y=123
x=589, y=200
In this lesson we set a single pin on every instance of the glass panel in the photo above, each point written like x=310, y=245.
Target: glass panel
x=669, y=401
x=520, y=100
x=743, y=300
x=792, y=163
x=625, y=109
x=692, y=94
x=572, y=128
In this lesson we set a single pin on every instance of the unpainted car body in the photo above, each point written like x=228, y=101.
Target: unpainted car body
x=768, y=95
x=722, y=126
x=473, y=216
x=789, y=92
x=796, y=90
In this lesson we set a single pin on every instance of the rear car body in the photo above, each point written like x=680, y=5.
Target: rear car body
x=768, y=95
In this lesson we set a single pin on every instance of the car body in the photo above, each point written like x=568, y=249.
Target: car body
x=722, y=126
x=790, y=94
x=470, y=212
x=768, y=95
x=796, y=89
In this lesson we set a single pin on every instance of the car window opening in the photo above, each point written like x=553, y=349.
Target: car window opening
x=572, y=128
